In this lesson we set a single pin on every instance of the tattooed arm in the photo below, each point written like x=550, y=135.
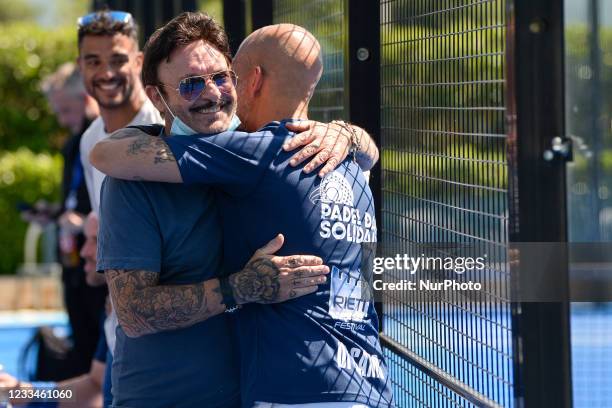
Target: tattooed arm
x=132, y=154
x=144, y=307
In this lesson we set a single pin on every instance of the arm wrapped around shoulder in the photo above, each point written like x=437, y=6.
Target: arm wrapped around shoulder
x=133, y=154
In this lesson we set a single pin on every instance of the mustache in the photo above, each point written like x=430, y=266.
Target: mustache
x=222, y=102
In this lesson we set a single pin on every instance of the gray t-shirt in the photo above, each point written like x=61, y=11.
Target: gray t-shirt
x=173, y=230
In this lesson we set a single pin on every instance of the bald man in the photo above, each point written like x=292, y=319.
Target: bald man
x=321, y=349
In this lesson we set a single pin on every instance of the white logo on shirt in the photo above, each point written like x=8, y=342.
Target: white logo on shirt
x=334, y=188
x=364, y=364
x=340, y=219
x=346, y=300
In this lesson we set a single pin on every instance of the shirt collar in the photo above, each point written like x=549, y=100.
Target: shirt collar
x=276, y=124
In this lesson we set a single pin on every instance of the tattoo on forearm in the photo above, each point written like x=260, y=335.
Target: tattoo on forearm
x=145, y=307
x=145, y=144
x=257, y=282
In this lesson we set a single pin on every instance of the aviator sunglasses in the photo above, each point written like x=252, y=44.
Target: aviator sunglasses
x=190, y=88
x=114, y=16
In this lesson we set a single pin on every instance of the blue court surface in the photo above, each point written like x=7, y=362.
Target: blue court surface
x=477, y=351
x=17, y=328
x=592, y=355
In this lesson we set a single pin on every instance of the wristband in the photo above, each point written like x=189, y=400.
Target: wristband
x=228, y=295
x=353, y=139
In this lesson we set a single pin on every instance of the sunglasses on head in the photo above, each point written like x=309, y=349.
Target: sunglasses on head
x=190, y=88
x=113, y=16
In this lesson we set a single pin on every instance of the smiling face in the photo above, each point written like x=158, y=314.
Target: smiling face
x=111, y=67
x=212, y=110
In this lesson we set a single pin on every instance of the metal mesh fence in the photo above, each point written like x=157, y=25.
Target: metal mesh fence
x=414, y=388
x=444, y=189
x=324, y=19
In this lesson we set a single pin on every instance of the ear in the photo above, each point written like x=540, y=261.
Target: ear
x=256, y=80
x=153, y=95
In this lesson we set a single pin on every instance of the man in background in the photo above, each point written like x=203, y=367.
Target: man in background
x=75, y=110
x=111, y=61
x=91, y=389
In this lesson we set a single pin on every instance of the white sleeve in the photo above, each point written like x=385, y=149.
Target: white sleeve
x=97, y=178
x=85, y=147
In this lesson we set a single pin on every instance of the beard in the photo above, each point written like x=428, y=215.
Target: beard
x=114, y=103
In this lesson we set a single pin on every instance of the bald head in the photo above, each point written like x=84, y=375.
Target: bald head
x=288, y=54
x=290, y=61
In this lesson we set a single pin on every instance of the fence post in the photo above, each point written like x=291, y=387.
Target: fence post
x=234, y=21
x=362, y=83
x=259, y=14
x=535, y=115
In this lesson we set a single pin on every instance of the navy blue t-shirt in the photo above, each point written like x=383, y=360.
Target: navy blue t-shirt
x=322, y=347
x=173, y=230
x=107, y=386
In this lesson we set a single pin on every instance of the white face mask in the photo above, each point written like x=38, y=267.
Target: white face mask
x=181, y=128
x=234, y=124
x=178, y=126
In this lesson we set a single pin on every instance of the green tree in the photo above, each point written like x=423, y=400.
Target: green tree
x=25, y=177
x=27, y=54
x=17, y=10
x=28, y=129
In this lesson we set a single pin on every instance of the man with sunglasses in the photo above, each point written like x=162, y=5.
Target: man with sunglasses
x=321, y=349
x=160, y=245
